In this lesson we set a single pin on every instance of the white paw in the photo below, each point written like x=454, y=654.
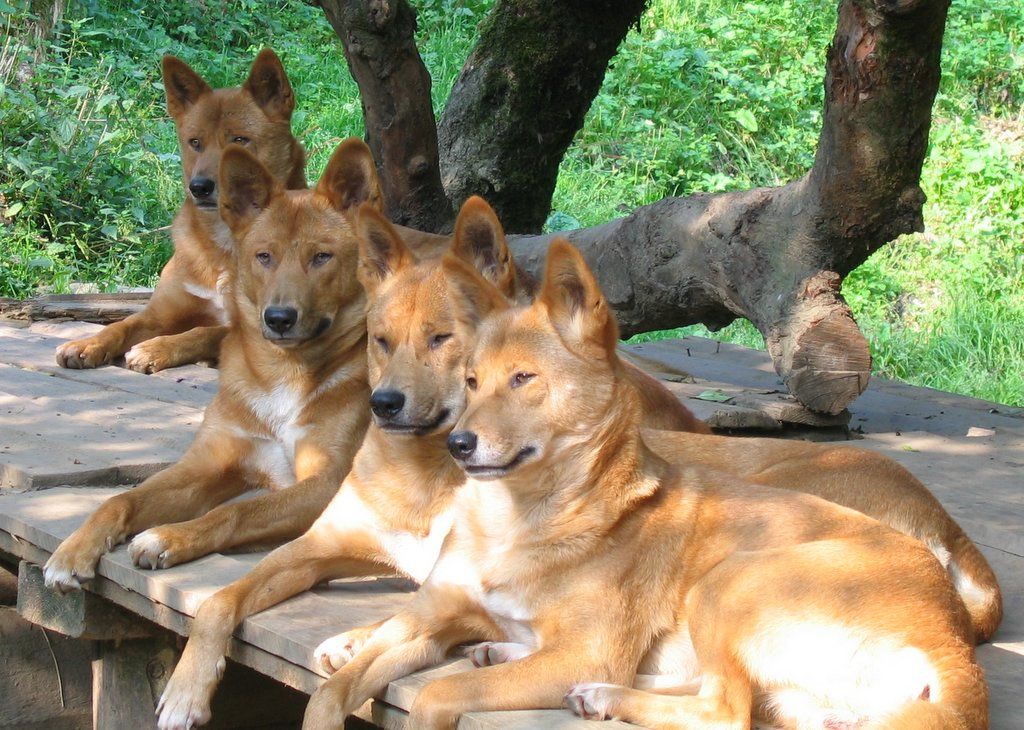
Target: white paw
x=149, y=550
x=337, y=651
x=185, y=703
x=489, y=653
x=136, y=359
x=59, y=573
x=592, y=701
x=146, y=357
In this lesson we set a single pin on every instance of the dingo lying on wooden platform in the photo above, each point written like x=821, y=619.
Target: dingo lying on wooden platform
x=290, y=408
x=589, y=558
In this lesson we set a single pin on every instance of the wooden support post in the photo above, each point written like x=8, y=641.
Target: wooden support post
x=78, y=614
x=127, y=680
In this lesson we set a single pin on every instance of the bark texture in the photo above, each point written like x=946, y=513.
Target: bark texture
x=777, y=256
x=379, y=43
x=522, y=96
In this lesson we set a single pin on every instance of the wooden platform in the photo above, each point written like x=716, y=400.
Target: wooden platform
x=69, y=439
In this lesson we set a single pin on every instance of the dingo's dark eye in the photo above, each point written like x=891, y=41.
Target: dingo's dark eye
x=521, y=379
x=383, y=344
x=239, y=139
x=321, y=257
x=471, y=382
x=437, y=340
x=195, y=144
x=264, y=258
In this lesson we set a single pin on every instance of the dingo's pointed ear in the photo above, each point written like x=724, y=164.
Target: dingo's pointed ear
x=182, y=86
x=382, y=253
x=574, y=302
x=269, y=87
x=479, y=296
x=246, y=187
x=480, y=241
x=350, y=179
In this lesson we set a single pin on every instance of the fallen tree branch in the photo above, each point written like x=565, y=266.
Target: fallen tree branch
x=777, y=256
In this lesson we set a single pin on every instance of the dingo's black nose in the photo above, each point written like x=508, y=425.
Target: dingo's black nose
x=201, y=187
x=280, y=319
x=386, y=403
x=462, y=444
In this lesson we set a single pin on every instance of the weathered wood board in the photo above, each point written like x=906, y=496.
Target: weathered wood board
x=886, y=406
x=78, y=427
x=98, y=308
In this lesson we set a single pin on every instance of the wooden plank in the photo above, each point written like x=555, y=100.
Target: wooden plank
x=98, y=308
x=192, y=385
x=885, y=406
x=977, y=479
x=57, y=431
x=128, y=677
x=286, y=635
x=390, y=717
x=293, y=629
x=756, y=408
x=289, y=674
x=64, y=330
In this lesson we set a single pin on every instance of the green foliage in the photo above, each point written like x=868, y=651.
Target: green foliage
x=942, y=309
x=706, y=95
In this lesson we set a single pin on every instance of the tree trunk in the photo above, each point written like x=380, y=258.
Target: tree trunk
x=777, y=255
x=522, y=96
x=395, y=88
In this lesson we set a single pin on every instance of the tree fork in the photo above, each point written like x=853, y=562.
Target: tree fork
x=777, y=255
x=379, y=43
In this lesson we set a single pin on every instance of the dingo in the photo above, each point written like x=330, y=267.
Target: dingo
x=589, y=558
x=186, y=318
x=290, y=408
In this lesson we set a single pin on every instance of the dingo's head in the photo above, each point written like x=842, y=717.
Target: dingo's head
x=256, y=115
x=296, y=250
x=421, y=319
x=542, y=377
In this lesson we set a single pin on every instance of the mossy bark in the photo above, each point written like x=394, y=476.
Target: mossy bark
x=522, y=96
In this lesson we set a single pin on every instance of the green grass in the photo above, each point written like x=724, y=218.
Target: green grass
x=705, y=95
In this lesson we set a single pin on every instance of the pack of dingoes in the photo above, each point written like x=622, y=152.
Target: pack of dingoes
x=414, y=404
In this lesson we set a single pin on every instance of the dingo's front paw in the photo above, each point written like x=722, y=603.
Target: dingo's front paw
x=496, y=652
x=326, y=710
x=152, y=355
x=593, y=700
x=337, y=651
x=88, y=352
x=69, y=567
x=160, y=547
x=64, y=575
x=185, y=703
